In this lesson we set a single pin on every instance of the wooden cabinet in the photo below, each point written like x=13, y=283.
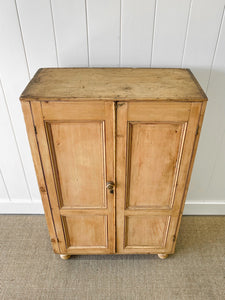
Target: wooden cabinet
x=113, y=151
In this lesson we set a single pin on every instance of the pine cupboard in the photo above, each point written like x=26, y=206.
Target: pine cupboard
x=113, y=151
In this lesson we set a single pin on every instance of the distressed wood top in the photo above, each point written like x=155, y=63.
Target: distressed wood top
x=126, y=84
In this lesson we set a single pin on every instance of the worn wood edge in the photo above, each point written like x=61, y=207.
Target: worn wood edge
x=200, y=122
x=205, y=98
x=28, y=117
x=30, y=82
x=114, y=99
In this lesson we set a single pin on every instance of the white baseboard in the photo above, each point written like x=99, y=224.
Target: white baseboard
x=204, y=208
x=35, y=207
x=21, y=207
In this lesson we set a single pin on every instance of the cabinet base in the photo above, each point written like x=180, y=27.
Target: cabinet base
x=65, y=256
x=163, y=256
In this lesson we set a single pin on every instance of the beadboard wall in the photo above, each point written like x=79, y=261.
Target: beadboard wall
x=111, y=33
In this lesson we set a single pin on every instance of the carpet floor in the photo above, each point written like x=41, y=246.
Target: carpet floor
x=30, y=270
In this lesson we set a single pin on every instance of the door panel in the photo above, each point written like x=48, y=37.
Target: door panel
x=153, y=231
x=83, y=174
x=79, y=160
x=85, y=231
x=154, y=150
x=153, y=146
x=149, y=233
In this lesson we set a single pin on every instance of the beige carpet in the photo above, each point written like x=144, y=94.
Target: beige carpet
x=30, y=270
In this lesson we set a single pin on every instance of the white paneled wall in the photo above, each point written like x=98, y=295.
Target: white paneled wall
x=111, y=33
x=103, y=24
x=171, y=19
x=37, y=31
x=136, y=29
x=70, y=32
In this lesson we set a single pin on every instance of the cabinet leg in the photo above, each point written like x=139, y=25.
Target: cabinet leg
x=163, y=256
x=65, y=256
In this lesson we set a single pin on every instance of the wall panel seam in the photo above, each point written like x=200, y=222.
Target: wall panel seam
x=187, y=30
x=210, y=74
x=3, y=180
x=120, y=41
x=216, y=47
x=87, y=32
x=21, y=33
x=153, y=33
x=54, y=34
x=14, y=136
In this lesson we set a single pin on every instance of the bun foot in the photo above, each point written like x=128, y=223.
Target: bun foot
x=65, y=256
x=163, y=256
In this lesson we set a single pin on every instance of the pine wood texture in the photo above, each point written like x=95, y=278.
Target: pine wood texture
x=28, y=117
x=83, y=174
x=73, y=151
x=153, y=157
x=65, y=84
x=86, y=231
x=82, y=137
x=153, y=147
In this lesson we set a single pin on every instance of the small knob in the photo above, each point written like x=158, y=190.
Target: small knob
x=110, y=185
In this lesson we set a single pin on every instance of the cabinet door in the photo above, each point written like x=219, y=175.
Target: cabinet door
x=76, y=143
x=154, y=149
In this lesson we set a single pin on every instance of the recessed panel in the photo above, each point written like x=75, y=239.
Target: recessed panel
x=86, y=231
x=146, y=231
x=78, y=149
x=153, y=163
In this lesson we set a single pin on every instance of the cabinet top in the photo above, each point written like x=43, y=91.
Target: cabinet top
x=115, y=84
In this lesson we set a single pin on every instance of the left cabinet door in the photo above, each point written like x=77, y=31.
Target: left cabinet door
x=76, y=142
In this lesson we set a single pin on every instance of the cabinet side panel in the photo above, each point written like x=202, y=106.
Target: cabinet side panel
x=203, y=108
x=192, y=130
x=47, y=168
x=197, y=136
x=39, y=172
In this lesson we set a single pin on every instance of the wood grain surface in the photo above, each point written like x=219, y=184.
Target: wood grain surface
x=59, y=84
x=143, y=149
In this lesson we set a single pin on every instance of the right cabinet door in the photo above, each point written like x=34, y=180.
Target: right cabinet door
x=155, y=142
